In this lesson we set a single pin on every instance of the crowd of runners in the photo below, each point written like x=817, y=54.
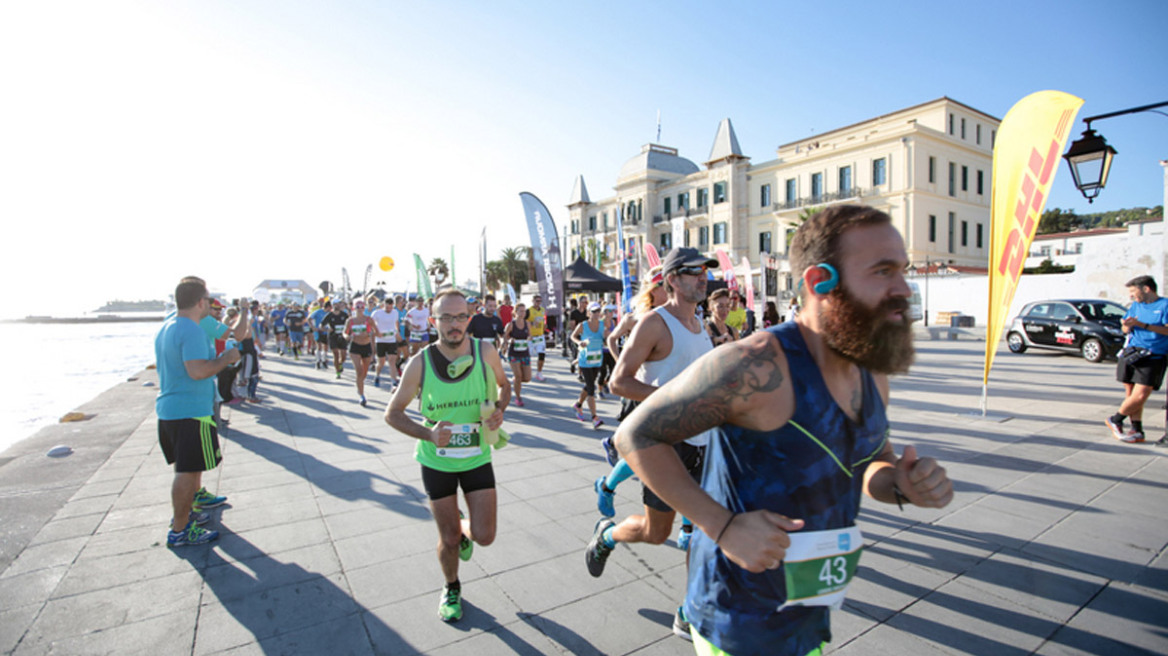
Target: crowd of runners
x=760, y=435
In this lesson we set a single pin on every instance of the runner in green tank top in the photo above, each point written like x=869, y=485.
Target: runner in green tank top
x=452, y=381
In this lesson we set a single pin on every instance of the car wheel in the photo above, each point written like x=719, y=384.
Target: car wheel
x=1016, y=343
x=1093, y=350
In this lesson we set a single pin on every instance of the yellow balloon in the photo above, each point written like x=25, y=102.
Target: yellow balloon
x=386, y=263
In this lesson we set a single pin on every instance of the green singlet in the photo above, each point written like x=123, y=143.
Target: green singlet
x=457, y=401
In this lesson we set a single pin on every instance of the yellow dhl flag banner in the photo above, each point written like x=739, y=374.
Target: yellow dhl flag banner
x=1027, y=151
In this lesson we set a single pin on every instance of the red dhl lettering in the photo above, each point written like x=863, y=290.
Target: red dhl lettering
x=1028, y=207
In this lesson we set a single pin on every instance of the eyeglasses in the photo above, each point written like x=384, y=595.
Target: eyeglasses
x=691, y=271
x=453, y=318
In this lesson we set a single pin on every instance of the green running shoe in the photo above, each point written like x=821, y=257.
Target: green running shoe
x=450, y=607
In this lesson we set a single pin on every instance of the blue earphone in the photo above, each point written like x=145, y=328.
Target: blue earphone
x=825, y=286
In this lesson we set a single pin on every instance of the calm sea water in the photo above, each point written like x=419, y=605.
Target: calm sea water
x=53, y=368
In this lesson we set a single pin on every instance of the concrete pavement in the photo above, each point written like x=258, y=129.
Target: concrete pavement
x=1054, y=544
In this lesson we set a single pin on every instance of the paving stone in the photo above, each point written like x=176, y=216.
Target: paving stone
x=14, y=621
x=165, y=635
x=70, y=527
x=43, y=556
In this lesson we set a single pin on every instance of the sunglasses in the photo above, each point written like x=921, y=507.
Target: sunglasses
x=691, y=271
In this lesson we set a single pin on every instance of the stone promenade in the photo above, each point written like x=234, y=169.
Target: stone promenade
x=1054, y=544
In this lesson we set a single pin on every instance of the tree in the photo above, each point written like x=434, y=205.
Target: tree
x=439, y=271
x=1057, y=220
x=495, y=274
x=514, y=262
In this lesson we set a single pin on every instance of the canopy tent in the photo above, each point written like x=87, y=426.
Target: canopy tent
x=581, y=276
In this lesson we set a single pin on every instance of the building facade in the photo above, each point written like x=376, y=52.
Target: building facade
x=927, y=166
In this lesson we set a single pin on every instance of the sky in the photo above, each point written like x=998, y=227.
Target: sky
x=240, y=141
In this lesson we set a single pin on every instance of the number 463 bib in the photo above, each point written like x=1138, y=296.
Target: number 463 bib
x=820, y=565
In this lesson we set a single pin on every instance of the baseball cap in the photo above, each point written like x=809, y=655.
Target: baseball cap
x=684, y=257
x=216, y=303
x=594, y=307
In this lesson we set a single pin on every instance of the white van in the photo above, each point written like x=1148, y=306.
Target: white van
x=914, y=303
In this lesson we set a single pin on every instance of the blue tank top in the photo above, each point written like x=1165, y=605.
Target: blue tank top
x=818, y=480
x=594, y=345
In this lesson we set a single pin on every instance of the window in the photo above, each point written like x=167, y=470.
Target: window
x=932, y=169
x=977, y=131
x=666, y=241
x=703, y=236
x=1044, y=251
x=703, y=197
x=668, y=206
x=1078, y=249
x=964, y=233
x=932, y=228
x=686, y=234
x=592, y=223
x=952, y=228
x=720, y=232
x=980, y=182
x=952, y=179
x=950, y=124
x=575, y=226
x=816, y=186
x=683, y=201
x=962, y=128
x=964, y=178
x=979, y=228
x=604, y=220
x=845, y=178
x=764, y=196
x=764, y=242
x=993, y=138
x=879, y=171
x=719, y=192
x=792, y=191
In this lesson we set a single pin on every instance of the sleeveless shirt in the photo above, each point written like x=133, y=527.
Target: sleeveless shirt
x=786, y=471
x=457, y=401
x=687, y=347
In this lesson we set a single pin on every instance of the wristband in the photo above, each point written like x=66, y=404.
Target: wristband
x=723, y=531
x=900, y=498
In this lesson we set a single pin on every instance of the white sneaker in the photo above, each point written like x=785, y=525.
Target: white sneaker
x=1132, y=437
x=539, y=376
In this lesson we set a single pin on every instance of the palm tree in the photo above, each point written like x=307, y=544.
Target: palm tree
x=438, y=270
x=515, y=266
x=496, y=274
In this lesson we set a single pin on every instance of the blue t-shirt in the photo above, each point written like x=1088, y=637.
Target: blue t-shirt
x=179, y=396
x=316, y=316
x=213, y=328
x=785, y=471
x=1153, y=314
x=277, y=316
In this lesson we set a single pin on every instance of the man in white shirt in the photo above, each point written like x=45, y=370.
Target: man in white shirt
x=386, y=318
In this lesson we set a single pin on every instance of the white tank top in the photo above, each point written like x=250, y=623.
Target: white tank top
x=687, y=347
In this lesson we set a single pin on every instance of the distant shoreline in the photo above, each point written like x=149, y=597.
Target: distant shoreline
x=101, y=319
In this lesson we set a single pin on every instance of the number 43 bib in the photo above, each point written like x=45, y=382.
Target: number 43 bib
x=820, y=565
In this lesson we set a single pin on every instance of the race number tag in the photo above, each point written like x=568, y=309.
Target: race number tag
x=537, y=340
x=593, y=358
x=519, y=345
x=464, y=442
x=820, y=565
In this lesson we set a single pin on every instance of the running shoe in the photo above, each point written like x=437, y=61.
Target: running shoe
x=604, y=498
x=1162, y=442
x=596, y=423
x=199, y=518
x=610, y=453
x=539, y=376
x=579, y=412
x=1116, y=428
x=1132, y=437
x=204, y=499
x=363, y=402
x=377, y=381
x=681, y=625
x=600, y=394
x=338, y=375
x=683, y=535
x=597, y=552
x=190, y=535
x=235, y=401
x=450, y=606
x=255, y=399
x=518, y=402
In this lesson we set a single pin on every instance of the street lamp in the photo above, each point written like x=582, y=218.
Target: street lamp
x=1089, y=157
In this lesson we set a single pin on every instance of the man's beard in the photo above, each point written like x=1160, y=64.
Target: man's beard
x=449, y=343
x=866, y=336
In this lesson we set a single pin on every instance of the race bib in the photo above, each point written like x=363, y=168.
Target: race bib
x=464, y=442
x=820, y=565
x=537, y=340
x=519, y=345
x=592, y=358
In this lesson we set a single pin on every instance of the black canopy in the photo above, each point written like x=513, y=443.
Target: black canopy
x=581, y=276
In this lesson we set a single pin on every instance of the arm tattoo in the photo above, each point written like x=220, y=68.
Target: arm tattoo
x=705, y=396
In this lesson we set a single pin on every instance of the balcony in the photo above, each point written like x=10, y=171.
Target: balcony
x=812, y=201
x=684, y=212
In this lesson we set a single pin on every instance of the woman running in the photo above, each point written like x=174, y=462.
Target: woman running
x=516, y=338
x=589, y=336
x=360, y=330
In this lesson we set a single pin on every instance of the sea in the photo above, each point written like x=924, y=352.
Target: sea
x=54, y=368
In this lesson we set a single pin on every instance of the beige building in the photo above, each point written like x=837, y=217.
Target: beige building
x=927, y=166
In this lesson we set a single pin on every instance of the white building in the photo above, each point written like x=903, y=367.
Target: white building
x=927, y=166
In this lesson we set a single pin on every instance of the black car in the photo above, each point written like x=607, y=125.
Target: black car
x=1090, y=327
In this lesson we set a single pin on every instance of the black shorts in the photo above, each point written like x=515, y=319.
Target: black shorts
x=337, y=342
x=322, y=337
x=1148, y=371
x=191, y=445
x=693, y=457
x=385, y=349
x=440, y=484
x=279, y=330
x=589, y=374
x=627, y=407
x=363, y=350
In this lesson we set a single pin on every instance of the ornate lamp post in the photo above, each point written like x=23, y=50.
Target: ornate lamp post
x=1090, y=157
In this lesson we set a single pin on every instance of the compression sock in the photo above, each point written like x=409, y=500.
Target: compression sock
x=607, y=538
x=620, y=473
x=1138, y=426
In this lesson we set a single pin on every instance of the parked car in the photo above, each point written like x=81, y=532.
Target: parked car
x=1090, y=327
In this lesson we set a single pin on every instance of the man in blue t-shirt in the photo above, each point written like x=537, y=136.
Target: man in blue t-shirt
x=279, y=327
x=187, y=366
x=1142, y=364
x=800, y=431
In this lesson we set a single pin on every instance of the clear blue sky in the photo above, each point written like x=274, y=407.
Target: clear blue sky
x=246, y=140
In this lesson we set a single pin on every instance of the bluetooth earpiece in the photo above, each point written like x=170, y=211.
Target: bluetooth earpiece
x=825, y=286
